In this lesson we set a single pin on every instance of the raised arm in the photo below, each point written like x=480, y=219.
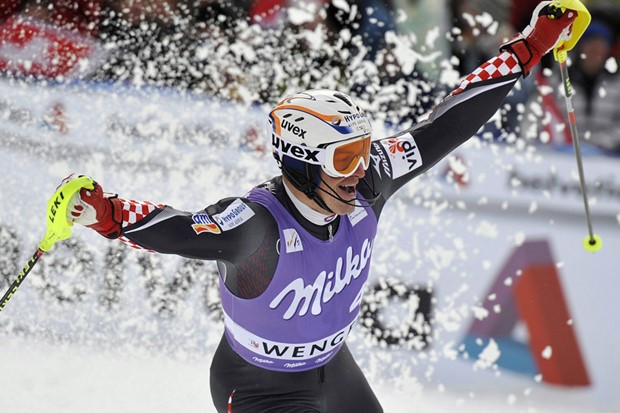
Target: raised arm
x=400, y=158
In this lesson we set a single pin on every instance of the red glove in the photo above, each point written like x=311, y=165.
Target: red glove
x=95, y=209
x=546, y=29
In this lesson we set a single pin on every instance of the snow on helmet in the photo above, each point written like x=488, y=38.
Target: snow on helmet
x=311, y=128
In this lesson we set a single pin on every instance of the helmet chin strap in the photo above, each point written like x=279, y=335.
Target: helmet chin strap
x=309, y=188
x=332, y=192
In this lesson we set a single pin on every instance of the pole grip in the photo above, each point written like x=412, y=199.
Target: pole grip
x=581, y=23
x=58, y=228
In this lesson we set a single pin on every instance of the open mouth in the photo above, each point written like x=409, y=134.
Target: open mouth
x=349, y=189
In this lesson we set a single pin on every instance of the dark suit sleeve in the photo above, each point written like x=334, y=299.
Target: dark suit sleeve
x=398, y=159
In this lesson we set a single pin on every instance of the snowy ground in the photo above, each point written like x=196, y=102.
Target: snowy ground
x=49, y=378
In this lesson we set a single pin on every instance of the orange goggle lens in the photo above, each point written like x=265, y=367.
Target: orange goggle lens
x=347, y=156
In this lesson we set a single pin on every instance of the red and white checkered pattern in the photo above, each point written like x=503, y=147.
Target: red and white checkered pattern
x=133, y=244
x=501, y=65
x=134, y=211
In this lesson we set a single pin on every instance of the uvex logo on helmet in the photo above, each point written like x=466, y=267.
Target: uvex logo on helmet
x=302, y=153
x=295, y=130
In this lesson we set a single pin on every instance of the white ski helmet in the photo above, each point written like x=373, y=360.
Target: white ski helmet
x=323, y=128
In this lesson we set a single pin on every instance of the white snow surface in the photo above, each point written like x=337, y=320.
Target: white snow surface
x=41, y=377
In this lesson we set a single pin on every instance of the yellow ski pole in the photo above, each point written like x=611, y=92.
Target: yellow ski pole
x=58, y=228
x=592, y=242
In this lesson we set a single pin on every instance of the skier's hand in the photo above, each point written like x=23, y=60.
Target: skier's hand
x=95, y=209
x=548, y=27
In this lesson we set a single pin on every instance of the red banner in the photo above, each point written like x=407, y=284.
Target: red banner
x=29, y=47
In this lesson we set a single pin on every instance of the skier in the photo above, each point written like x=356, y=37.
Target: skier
x=294, y=253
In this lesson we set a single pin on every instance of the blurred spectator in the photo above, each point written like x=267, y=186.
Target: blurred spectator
x=521, y=12
x=481, y=27
x=45, y=39
x=596, y=87
x=376, y=19
x=369, y=19
x=147, y=43
x=214, y=47
x=75, y=15
x=8, y=8
x=219, y=64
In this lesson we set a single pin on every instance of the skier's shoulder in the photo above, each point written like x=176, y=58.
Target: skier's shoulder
x=236, y=211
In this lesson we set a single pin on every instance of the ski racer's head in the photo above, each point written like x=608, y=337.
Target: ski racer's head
x=321, y=140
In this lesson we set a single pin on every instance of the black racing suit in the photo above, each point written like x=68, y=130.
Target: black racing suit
x=247, y=255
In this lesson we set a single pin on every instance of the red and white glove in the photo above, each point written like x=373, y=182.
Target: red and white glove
x=547, y=28
x=95, y=209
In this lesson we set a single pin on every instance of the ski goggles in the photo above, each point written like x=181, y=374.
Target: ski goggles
x=343, y=158
x=339, y=159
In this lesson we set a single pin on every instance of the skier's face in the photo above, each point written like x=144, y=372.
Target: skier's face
x=343, y=188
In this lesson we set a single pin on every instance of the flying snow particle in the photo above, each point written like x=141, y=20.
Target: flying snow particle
x=547, y=352
x=299, y=16
x=480, y=313
x=485, y=19
x=341, y=4
x=432, y=36
x=519, y=238
x=449, y=352
x=544, y=90
x=469, y=19
x=611, y=65
x=537, y=109
x=488, y=356
x=487, y=229
x=512, y=399
x=83, y=64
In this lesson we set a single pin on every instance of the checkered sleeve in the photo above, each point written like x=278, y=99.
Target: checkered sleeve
x=132, y=244
x=503, y=64
x=134, y=211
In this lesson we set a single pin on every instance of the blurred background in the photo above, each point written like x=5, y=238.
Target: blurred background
x=481, y=297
